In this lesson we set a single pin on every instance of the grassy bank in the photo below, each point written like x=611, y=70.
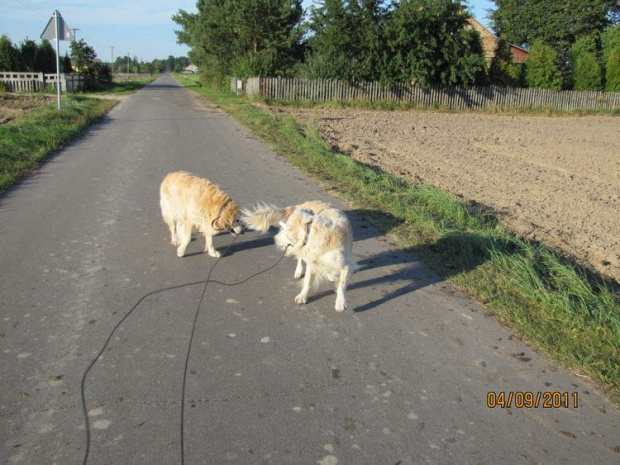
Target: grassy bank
x=28, y=140
x=394, y=106
x=555, y=305
x=129, y=86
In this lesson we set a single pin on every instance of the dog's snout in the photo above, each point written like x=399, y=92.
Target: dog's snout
x=237, y=230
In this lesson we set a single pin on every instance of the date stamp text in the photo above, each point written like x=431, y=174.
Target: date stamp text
x=529, y=399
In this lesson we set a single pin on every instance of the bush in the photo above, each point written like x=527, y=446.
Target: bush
x=613, y=71
x=542, y=70
x=588, y=74
x=98, y=76
x=503, y=72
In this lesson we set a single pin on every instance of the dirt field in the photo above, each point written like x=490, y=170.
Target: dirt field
x=15, y=105
x=550, y=179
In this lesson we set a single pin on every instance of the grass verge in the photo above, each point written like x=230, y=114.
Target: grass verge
x=28, y=140
x=129, y=86
x=555, y=305
x=385, y=105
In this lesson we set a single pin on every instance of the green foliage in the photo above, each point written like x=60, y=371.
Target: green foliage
x=503, y=71
x=613, y=71
x=251, y=37
x=9, y=55
x=429, y=43
x=559, y=24
x=610, y=40
x=588, y=73
x=82, y=55
x=422, y=41
x=542, y=70
x=347, y=41
x=46, y=58
x=98, y=76
x=28, y=140
x=28, y=55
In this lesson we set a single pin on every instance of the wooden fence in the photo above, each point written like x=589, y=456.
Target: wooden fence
x=37, y=82
x=458, y=98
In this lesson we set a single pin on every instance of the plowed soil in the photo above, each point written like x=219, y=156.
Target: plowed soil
x=13, y=106
x=549, y=179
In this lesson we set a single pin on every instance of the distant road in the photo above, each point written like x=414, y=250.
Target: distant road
x=402, y=376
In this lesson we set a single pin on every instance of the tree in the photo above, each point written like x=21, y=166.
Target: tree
x=332, y=43
x=588, y=72
x=9, y=55
x=65, y=64
x=430, y=43
x=610, y=40
x=46, y=58
x=28, y=51
x=588, y=75
x=558, y=24
x=347, y=40
x=542, y=70
x=247, y=38
x=503, y=71
x=82, y=54
x=612, y=76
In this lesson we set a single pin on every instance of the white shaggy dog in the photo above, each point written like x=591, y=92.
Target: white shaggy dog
x=188, y=201
x=319, y=236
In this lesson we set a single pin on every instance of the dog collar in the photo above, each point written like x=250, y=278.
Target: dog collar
x=219, y=216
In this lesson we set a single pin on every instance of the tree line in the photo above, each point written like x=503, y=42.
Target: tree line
x=29, y=56
x=574, y=44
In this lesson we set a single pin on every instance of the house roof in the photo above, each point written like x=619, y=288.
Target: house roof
x=490, y=42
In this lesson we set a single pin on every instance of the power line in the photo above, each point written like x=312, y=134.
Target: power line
x=32, y=9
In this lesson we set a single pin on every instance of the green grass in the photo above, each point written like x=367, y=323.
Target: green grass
x=24, y=143
x=560, y=308
x=362, y=104
x=129, y=86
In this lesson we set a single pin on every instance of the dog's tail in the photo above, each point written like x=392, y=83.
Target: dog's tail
x=263, y=216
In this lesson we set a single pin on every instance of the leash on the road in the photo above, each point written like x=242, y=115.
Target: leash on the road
x=189, y=348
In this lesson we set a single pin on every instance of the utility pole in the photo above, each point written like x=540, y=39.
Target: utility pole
x=112, y=49
x=74, y=33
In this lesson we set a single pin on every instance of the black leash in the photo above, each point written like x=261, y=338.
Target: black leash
x=189, y=348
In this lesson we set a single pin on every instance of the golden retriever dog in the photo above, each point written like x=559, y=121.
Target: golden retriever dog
x=188, y=201
x=316, y=234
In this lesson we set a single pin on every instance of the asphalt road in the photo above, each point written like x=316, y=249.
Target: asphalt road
x=402, y=376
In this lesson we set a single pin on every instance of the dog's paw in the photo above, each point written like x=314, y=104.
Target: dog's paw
x=175, y=241
x=214, y=253
x=301, y=299
x=340, y=306
x=180, y=253
x=298, y=274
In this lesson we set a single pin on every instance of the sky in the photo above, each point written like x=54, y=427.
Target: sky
x=137, y=28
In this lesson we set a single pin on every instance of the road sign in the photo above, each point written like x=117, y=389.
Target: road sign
x=56, y=29
x=64, y=33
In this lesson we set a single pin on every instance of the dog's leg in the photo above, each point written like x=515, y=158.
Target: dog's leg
x=172, y=227
x=341, y=287
x=209, y=246
x=302, y=297
x=299, y=271
x=184, y=236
